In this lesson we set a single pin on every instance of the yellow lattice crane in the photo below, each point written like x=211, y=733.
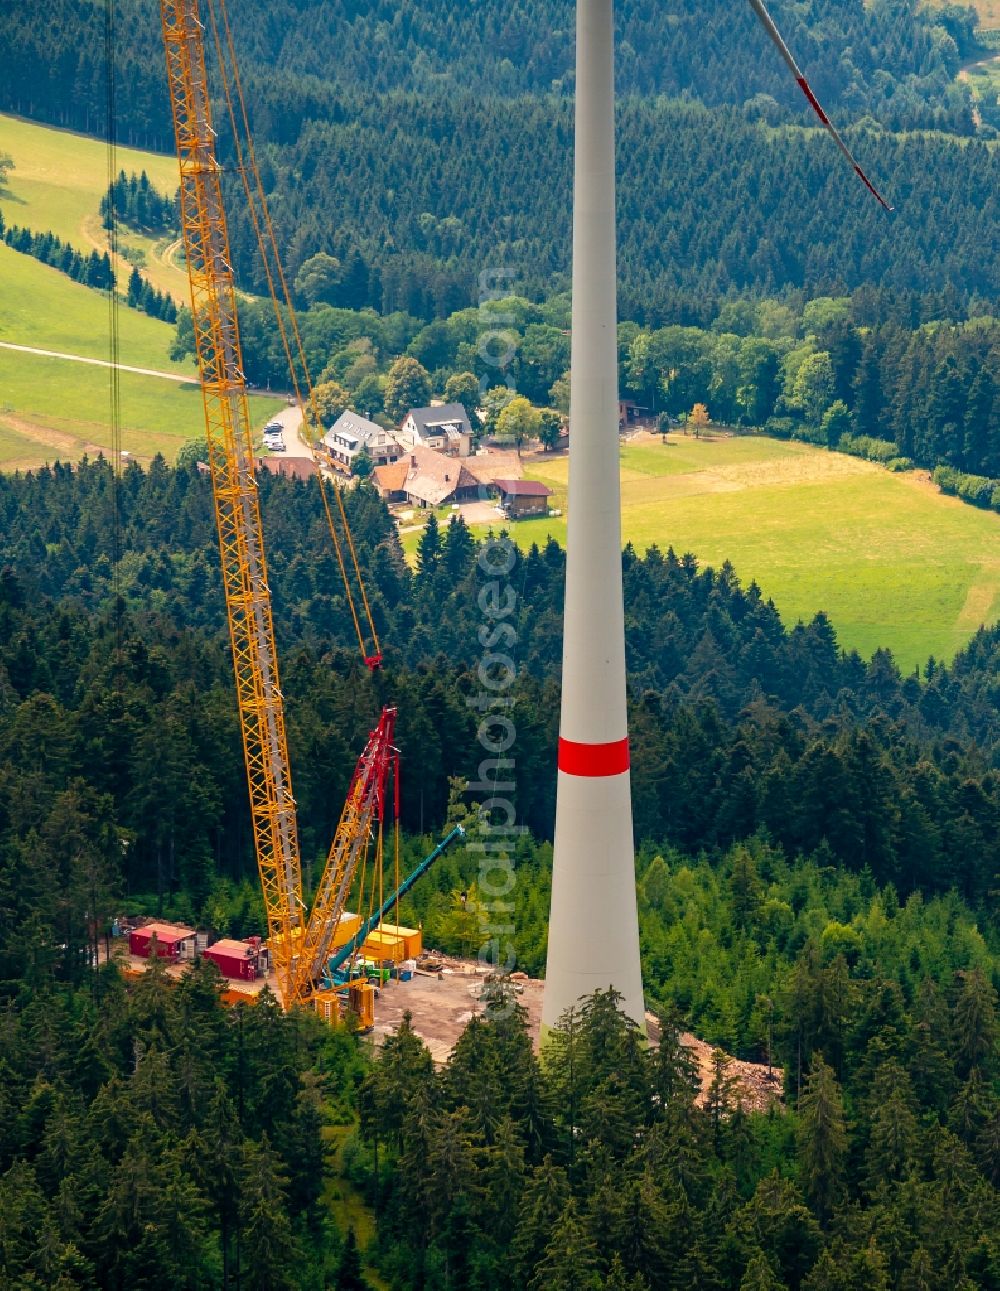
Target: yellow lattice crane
x=299, y=948
x=237, y=506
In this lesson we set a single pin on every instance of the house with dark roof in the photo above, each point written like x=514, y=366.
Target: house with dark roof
x=445, y=428
x=522, y=499
x=352, y=434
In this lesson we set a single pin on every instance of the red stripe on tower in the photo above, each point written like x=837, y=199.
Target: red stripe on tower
x=593, y=759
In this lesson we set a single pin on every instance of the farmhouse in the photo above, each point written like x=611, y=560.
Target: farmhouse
x=490, y=466
x=352, y=434
x=445, y=427
x=520, y=499
x=390, y=480
x=296, y=468
x=434, y=479
x=424, y=477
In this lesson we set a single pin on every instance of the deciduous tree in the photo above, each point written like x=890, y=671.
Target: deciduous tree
x=408, y=385
x=698, y=419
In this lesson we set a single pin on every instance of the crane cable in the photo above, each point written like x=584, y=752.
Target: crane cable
x=114, y=348
x=374, y=659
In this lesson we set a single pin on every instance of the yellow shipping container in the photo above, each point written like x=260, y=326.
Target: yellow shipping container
x=413, y=938
x=346, y=929
x=380, y=946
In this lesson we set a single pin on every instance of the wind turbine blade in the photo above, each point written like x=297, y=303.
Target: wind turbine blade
x=768, y=24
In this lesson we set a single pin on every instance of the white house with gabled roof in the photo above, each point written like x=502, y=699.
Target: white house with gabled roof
x=352, y=434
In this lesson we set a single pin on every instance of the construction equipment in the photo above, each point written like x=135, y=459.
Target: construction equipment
x=299, y=947
x=344, y=979
x=237, y=507
x=364, y=808
x=343, y=955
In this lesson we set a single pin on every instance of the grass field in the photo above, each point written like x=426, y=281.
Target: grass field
x=50, y=410
x=988, y=10
x=42, y=307
x=984, y=78
x=57, y=184
x=892, y=561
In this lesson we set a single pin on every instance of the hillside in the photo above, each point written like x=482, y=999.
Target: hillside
x=895, y=564
x=987, y=11
x=56, y=187
x=52, y=408
x=809, y=465
x=731, y=710
x=709, y=203
x=486, y=166
x=716, y=53
x=819, y=844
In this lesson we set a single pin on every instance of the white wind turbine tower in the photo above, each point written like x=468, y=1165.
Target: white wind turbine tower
x=593, y=923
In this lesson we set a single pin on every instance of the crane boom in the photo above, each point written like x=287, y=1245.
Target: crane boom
x=299, y=949
x=365, y=806
x=237, y=507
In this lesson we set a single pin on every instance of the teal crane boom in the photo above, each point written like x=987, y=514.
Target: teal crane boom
x=340, y=957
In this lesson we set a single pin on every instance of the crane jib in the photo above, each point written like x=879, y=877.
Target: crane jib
x=237, y=507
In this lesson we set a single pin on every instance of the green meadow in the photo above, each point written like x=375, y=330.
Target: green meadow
x=892, y=561
x=40, y=306
x=53, y=409
x=57, y=184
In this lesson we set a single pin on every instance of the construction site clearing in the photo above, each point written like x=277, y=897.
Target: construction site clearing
x=441, y=1000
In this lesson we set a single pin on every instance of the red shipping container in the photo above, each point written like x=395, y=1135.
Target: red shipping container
x=234, y=959
x=168, y=940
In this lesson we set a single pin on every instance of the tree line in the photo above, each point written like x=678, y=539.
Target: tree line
x=739, y=724
x=803, y=219
x=141, y=294
x=904, y=381
x=446, y=180
x=817, y=853
x=133, y=200
x=152, y=1139
x=594, y=1167
x=892, y=60
x=94, y=270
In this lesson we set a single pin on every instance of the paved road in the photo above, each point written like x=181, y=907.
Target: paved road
x=99, y=363
x=292, y=422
